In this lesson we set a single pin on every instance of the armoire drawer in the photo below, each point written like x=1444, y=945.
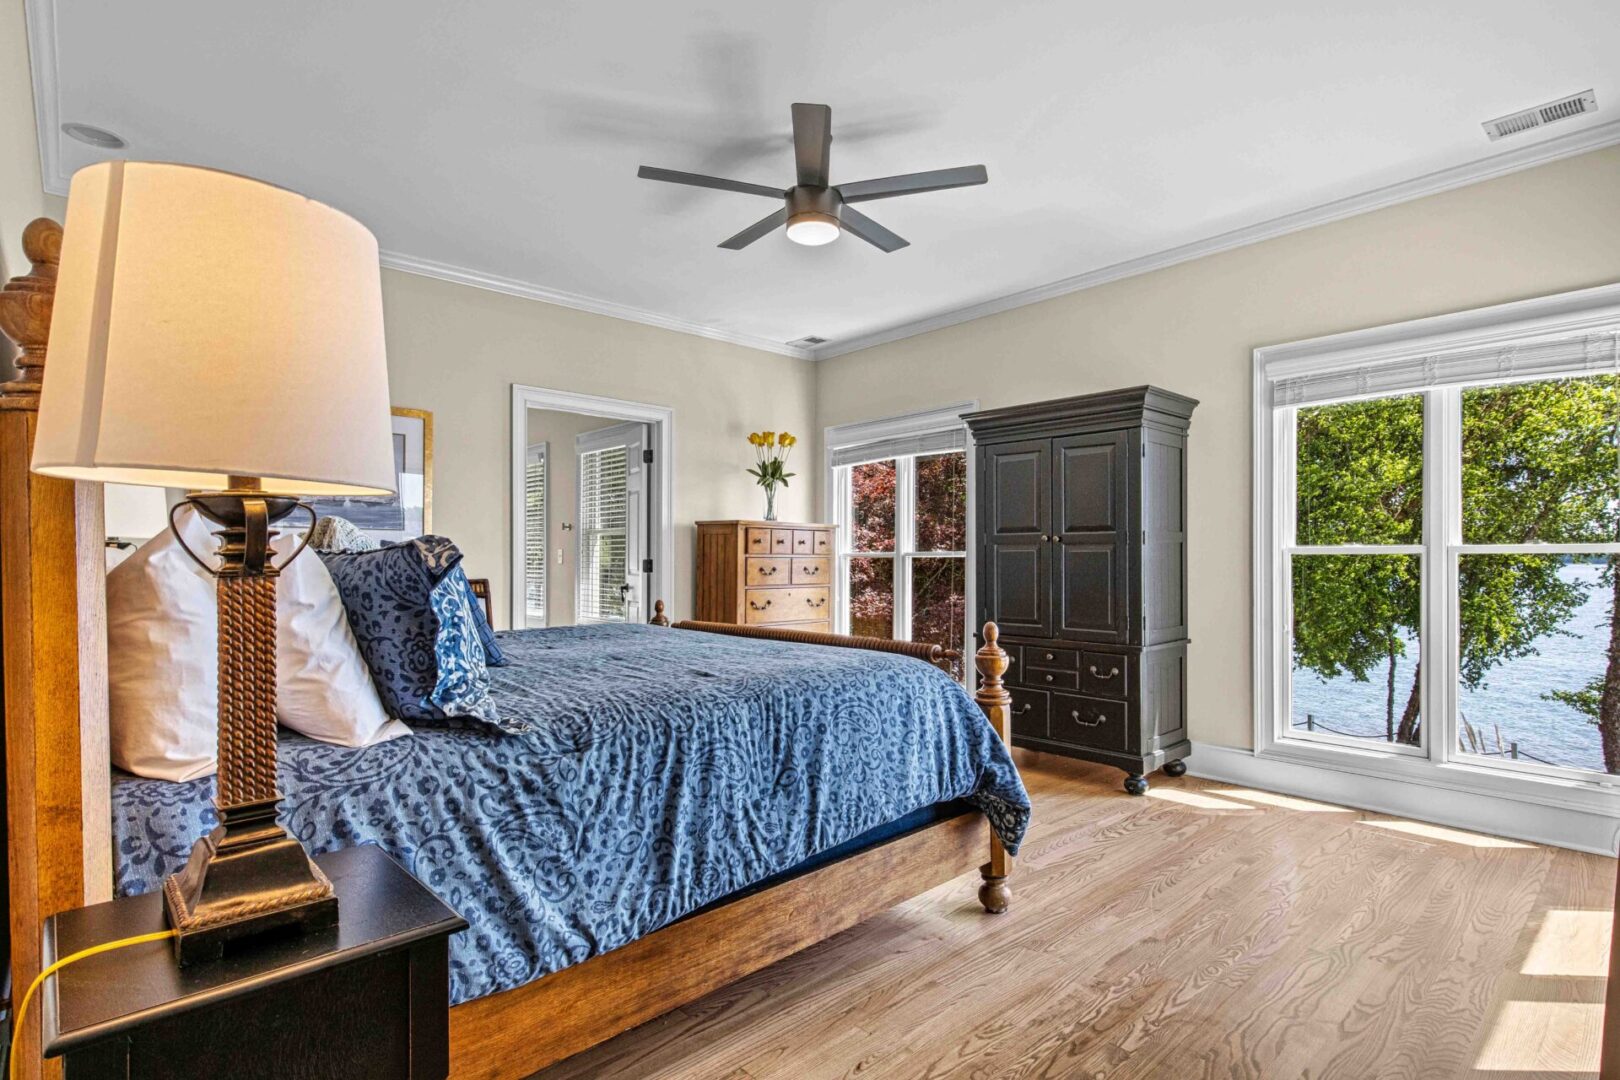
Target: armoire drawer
x=1088, y=721
x=1041, y=679
x=1044, y=656
x=1103, y=674
x=763, y=606
x=1029, y=709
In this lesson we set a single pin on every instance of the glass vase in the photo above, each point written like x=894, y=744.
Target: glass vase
x=770, y=502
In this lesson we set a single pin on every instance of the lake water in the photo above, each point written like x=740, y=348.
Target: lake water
x=1511, y=700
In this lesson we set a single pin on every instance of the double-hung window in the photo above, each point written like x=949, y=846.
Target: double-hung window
x=899, y=494
x=1437, y=545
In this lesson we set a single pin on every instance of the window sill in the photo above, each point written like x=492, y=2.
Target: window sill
x=1590, y=796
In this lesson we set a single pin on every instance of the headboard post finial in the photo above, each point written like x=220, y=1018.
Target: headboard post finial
x=25, y=313
x=659, y=618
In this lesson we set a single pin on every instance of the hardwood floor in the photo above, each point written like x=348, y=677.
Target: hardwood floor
x=1202, y=931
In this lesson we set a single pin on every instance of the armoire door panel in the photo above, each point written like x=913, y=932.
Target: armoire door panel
x=1015, y=515
x=1090, y=511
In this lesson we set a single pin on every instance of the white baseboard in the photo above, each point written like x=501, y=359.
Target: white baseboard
x=1559, y=826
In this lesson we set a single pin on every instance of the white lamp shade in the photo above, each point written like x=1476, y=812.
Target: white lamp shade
x=209, y=326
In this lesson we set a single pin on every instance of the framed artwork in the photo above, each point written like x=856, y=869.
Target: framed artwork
x=409, y=512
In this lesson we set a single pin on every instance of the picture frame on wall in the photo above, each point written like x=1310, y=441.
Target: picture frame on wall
x=408, y=513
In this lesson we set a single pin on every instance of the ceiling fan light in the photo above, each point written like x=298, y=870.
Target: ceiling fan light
x=812, y=228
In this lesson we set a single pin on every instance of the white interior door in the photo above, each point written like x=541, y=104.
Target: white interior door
x=612, y=535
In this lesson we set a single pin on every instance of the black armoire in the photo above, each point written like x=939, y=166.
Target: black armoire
x=1082, y=564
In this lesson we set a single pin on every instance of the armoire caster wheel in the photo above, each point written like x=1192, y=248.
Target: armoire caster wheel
x=1175, y=768
x=1136, y=785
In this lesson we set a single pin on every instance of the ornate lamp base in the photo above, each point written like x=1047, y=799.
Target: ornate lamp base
x=245, y=878
x=248, y=876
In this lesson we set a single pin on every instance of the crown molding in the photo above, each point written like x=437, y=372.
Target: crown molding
x=513, y=287
x=1570, y=144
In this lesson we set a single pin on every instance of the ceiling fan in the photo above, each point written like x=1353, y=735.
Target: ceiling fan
x=814, y=210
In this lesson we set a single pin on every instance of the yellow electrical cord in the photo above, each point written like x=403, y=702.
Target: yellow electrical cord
x=22, y=1010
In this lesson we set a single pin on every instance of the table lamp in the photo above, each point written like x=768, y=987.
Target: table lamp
x=225, y=336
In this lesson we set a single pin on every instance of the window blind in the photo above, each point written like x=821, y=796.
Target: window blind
x=1549, y=357
x=928, y=442
x=535, y=544
x=603, y=528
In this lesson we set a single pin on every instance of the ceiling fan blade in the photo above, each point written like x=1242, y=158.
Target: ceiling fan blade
x=869, y=230
x=756, y=230
x=671, y=176
x=913, y=183
x=812, y=142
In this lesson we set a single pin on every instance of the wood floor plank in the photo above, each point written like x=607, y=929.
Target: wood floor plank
x=1199, y=932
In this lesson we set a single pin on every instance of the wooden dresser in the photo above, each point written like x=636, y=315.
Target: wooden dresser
x=1082, y=564
x=765, y=573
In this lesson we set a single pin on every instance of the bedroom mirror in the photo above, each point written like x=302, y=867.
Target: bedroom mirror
x=586, y=502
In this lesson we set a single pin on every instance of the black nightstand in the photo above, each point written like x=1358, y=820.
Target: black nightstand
x=369, y=998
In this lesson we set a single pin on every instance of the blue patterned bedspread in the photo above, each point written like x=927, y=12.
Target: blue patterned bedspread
x=667, y=769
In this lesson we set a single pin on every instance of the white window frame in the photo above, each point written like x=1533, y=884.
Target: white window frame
x=837, y=487
x=540, y=452
x=1438, y=763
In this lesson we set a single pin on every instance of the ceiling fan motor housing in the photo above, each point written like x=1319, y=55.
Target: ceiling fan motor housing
x=813, y=204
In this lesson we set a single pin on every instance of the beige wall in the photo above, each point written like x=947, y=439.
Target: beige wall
x=1192, y=328
x=458, y=350
x=558, y=430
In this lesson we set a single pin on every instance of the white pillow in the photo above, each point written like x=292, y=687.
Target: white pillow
x=163, y=665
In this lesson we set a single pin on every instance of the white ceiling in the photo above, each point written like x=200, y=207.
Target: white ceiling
x=497, y=142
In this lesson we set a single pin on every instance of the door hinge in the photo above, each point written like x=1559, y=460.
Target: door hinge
x=646, y=457
x=646, y=566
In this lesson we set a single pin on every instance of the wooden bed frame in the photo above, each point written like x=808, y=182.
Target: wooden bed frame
x=57, y=775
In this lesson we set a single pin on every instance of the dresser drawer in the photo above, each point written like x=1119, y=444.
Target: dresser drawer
x=811, y=571
x=822, y=627
x=1040, y=656
x=781, y=541
x=804, y=542
x=1029, y=709
x=1102, y=674
x=822, y=542
x=762, y=606
x=1088, y=721
x=765, y=570
x=1041, y=679
x=759, y=541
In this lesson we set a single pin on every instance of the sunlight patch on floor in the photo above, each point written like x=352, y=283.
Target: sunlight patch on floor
x=1195, y=799
x=1454, y=836
x=1543, y=1036
x=1286, y=802
x=1574, y=943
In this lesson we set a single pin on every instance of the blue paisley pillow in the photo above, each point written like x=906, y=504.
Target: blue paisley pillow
x=408, y=607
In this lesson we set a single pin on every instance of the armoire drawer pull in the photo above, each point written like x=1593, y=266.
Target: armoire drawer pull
x=1049, y=656
x=1111, y=672
x=1049, y=678
x=1101, y=719
x=1024, y=708
x=759, y=607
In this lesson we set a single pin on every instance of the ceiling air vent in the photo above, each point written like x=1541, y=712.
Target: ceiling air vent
x=809, y=342
x=1553, y=111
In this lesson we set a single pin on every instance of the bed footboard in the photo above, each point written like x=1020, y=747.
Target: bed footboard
x=991, y=662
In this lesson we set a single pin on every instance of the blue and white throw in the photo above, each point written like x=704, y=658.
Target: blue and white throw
x=664, y=769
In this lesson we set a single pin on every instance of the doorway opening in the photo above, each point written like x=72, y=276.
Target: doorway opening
x=592, y=539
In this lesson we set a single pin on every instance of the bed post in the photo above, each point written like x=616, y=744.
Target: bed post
x=991, y=660
x=53, y=607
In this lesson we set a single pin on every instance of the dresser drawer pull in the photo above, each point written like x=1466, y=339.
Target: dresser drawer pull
x=1101, y=719
x=768, y=571
x=1111, y=672
x=812, y=570
x=817, y=603
x=759, y=607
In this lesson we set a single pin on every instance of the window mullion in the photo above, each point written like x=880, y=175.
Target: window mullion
x=1442, y=465
x=905, y=534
